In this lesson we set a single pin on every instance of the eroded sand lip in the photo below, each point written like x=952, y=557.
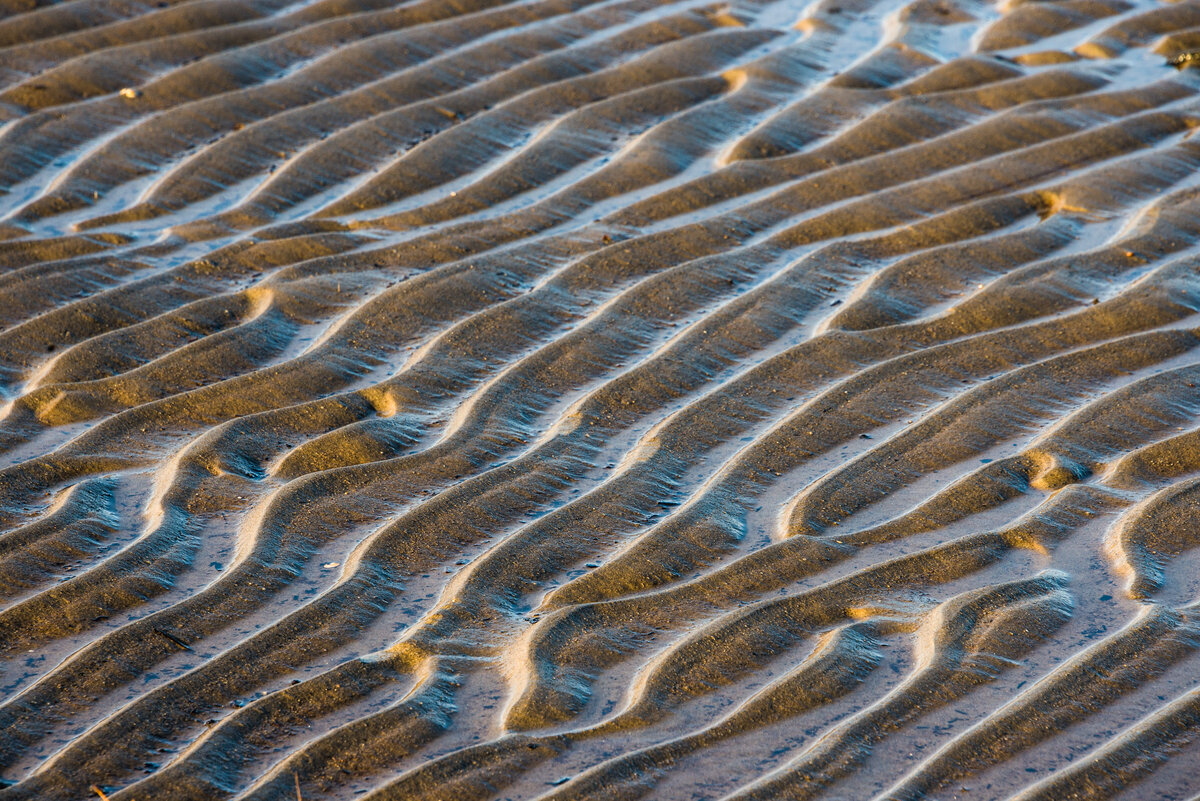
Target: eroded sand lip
x=599, y=399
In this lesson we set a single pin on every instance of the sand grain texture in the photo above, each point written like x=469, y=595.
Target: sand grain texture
x=599, y=399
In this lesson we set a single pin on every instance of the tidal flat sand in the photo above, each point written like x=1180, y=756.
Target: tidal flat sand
x=598, y=400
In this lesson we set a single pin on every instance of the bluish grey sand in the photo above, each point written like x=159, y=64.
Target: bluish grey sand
x=599, y=399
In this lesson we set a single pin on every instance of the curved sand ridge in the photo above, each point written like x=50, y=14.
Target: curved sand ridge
x=585, y=399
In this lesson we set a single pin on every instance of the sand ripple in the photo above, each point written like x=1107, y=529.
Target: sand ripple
x=599, y=399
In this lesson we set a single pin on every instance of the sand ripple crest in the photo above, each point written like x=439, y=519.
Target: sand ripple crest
x=599, y=399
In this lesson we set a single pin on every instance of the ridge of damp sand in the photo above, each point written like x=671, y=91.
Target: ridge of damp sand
x=599, y=400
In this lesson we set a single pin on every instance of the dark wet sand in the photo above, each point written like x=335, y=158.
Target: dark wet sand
x=570, y=399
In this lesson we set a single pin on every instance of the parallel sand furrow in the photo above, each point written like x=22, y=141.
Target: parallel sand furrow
x=405, y=84
x=1130, y=757
x=597, y=399
x=223, y=73
x=1096, y=677
x=632, y=393
x=201, y=268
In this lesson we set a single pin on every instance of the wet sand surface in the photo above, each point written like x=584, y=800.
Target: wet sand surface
x=599, y=399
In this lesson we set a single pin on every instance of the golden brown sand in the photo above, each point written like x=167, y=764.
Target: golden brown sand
x=599, y=399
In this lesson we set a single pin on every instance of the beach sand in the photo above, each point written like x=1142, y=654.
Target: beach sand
x=599, y=400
